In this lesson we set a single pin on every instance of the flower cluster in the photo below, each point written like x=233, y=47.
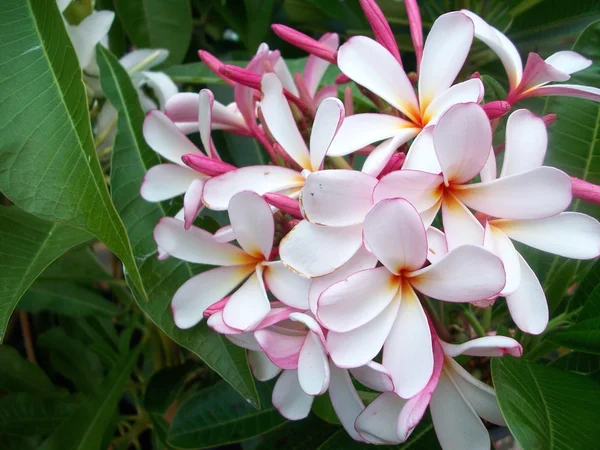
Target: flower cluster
x=330, y=276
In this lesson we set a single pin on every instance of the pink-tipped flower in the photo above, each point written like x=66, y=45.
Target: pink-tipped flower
x=240, y=75
x=284, y=203
x=209, y=166
x=381, y=27
x=306, y=43
x=215, y=65
x=496, y=109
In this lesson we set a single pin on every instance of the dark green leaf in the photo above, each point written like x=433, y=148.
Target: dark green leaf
x=85, y=428
x=165, y=386
x=588, y=294
x=27, y=414
x=27, y=246
x=583, y=363
x=131, y=159
x=583, y=336
x=12, y=442
x=48, y=163
x=19, y=375
x=79, y=265
x=218, y=416
x=158, y=24
x=323, y=408
x=546, y=408
x=68, y=299
x=258, y=18
x=160, y=429
x=493, y=89
x=298, y=435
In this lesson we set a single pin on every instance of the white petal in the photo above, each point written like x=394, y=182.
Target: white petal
x=535, y=194
x=345, y=400
x=282, y=349
x=421, y=154
x=374, y=376
x=527, y=306
x=337, y=197
x=289, y=398
x=462, y=140
x=500, y=245
x=444, y=54
x=283, y=73
x=465, y=274
x=197, y=245
x=162, y=86
x=260, y=179
x=371, y=65
x=568, y=234
x=492, y=346
x=166, y=139
x=526, y=142
x=328, y=120
x=460, y=225
x=192, y=202
x=568, y=62
x=489, y=171
x=314, y=251
x=252, y=222
x=166, y=181
x=377, y=423
x=357, y=300
x=567, y=90
x=408, y=351
x=281, y=123
x=201, y=291
x=437, y=245
x=395, y=233
x=378, y=158
x=206, y=101
x=249, y=305
x=262, y=367
x=315, y=67
x=470, y=91
x=422, y=189
x=360, y=130
x=313, y=366
x=88, y=33
x=144, y=58
x=287, y=286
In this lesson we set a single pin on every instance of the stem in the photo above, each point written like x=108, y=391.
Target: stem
x=486, y=318
x=474, y=322
x=102, y=136
x=26, y=332
x=438, y=324
x=339, y=162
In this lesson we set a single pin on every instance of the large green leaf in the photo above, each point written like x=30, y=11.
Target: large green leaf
x=157, y=399
x=78, y=265
x=583, y=363
x=48, y=163
x=27, y=246
x=583, y=336
x=158, y=24
x=85, y=428
x=546, y=408
x=19, y=375
x=299, y=435
x=258, y=18
x=218, y=415
x=131, y=159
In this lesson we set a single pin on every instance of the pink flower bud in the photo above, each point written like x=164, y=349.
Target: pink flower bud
x=342, y=79
x=585, y=191
x=416, y=28
x=305, y=42
x=395, y=163
x=214, y=64
x=240, y=75
x=381, y=28
x=496, y=109
x=284, y=203
x=549, y=119
x=208, y=166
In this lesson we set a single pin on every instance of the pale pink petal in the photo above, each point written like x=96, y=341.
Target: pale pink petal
x=159, y=83
x=369, y=64
x=183, y=107
x=446, y=48
x=480, y=396
x=359, y=130
x=501, y=45
x=289, y=398
x=315, y=67
x=192, y=202
x=325, y=92
x=287, y=286
x=355, y=301
x=462, y=140
x=421, y=155
x=535, y=194
x=166, y=181
x=492, y=346
x=437, y=245
x=489, y=171
x=252, y=222
x=311, y=324
x=568, y=62
x=378, y=158
x=282, y=349
x=567, y=90
x=568, y=234
x=88, y=33
x=527, y=306
x=215, y=321
x=460, y=225
x=394, y=232
x=262, y=367
x=526, y=142
x=361, y=260
x=465, y=274
x=377, y=423
x=328, y=120
x=281, y=123
x=374, y=376
x=500, y=245
x=205, y=108
x=337, y=197
x=429, y=215
x=422, y=189
x=313, y=366
x=408, y=352
x=314, y=250
x=470, y=91
x=537, y=73
x=359, y=346
x=225, y=234
x=197, y=245
x=345, y=400
x=283, y=73
x=249, y=305
x=165, y=138
x=244, y=340
x=456, y=423
x=201, y=291
x=260, y=179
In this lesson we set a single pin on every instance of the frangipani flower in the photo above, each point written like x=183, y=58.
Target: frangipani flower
x=371, y=65
x=379, y=308
x=538, y=73
x=456, y=400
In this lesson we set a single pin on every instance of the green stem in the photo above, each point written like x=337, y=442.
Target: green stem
x=486, y=318
x=339, y=162
x=474, y=322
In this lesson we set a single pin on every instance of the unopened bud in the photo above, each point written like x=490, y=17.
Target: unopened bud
x=305, y=42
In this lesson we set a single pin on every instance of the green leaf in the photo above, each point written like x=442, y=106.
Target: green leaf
x=72, y=359
x=19, y=375
x=298, y=435
x=323, y=408
x=493, y=89
x=48, y=163
x=85, y=428
x=27, y=246
x=165, y=386
x=158, y=24
x=583, y=363
x=218, y=416
x=80, y=265
x=258, y=18
x=131, y=159
x=27, y=414
x=583, y=336
x=67, y=299
x=545, y=407
x=588, y=294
